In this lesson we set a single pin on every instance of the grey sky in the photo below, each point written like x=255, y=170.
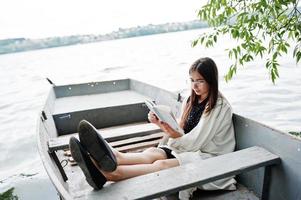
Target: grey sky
x=45, y=18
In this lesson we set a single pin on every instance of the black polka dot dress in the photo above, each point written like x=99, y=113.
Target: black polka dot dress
x=194, y=116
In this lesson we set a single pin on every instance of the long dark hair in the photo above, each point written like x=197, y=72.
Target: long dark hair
x=207, y=68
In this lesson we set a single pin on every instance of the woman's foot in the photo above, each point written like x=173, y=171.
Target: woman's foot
x=93, y=176
x=98, y=148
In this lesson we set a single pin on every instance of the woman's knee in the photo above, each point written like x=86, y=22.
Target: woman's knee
x=154, y=154
x=164, y=164
x=156, y=151
x=151, y=150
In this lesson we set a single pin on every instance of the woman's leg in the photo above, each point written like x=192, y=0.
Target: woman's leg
x=148, y=156
x=128, y=171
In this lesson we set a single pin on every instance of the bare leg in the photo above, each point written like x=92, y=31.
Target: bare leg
x=148, y=156
x=128, y=171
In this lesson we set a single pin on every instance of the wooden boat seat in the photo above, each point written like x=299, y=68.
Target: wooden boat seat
x=117, y=135
x=175, y=179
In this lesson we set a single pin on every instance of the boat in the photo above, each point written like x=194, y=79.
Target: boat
x=117, y=109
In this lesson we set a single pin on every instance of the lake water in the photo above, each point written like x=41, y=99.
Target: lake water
x=162, y=60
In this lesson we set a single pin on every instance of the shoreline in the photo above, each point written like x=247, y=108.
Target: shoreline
x=15, y=45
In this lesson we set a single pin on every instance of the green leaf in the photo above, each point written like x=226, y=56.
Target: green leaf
x=194, y=43
x=249, y=58
x=275, y=55
x=202, y=40
x=295, y=50
x=298, y=55
x=230, y=54
x=244, y=45
x=284, y=49
x=267, y=64
x=238, y=49
x=235, y=53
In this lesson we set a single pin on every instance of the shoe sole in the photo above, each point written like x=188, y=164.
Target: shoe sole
x=90, y=138
x=78, y=157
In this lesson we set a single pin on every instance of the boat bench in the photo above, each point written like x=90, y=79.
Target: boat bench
x=123, y=137
x=179, y=178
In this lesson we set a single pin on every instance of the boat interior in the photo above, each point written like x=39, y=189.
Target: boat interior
x=117, y=109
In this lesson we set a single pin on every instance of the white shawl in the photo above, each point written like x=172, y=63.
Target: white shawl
x=213, y=136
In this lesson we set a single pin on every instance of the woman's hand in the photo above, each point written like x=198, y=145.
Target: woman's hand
x=170, y=131
x=153, y=118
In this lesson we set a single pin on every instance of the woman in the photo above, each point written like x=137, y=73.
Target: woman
x=206, y=121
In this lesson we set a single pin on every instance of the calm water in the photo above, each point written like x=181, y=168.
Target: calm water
x=162, y=60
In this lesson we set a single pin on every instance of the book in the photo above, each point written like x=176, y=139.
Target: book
x=164, y=114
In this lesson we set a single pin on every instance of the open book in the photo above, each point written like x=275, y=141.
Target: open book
x=164, y=114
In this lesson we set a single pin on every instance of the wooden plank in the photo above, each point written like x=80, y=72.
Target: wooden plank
x=137, y=139
x=110, y=134
x=141, y=145
x=127, y=131
x=172, y=180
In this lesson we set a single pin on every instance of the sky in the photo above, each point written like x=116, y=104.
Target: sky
x=46, y=18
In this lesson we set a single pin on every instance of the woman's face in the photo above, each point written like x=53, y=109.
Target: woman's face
x=199, y=85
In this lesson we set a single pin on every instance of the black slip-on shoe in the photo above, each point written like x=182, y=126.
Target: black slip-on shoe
x=98, y=148
x=93, y=176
